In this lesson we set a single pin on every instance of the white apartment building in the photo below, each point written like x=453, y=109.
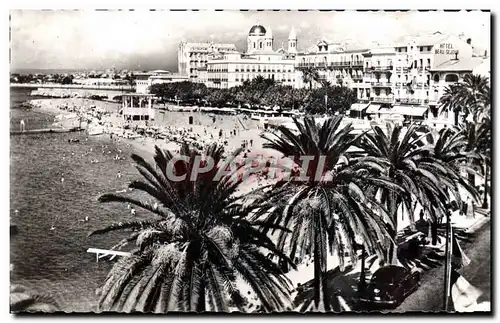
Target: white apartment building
x=193, y=57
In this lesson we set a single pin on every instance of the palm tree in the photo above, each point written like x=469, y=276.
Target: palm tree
x=310, y=75
x=478, y=143
x=24, y=300
x=326, y=214
x=199, y=244
x=467, y=97
x=413, y=167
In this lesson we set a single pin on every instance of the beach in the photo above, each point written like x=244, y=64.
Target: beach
x=55, y=260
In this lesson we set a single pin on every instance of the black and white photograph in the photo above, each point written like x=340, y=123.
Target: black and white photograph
x=250, y=161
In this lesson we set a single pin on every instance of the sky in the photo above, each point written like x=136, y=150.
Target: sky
x=146, y=40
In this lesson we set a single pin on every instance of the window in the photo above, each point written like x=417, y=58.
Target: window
x=451, y=78
x=427, y=93
x=421, y=62
x=415, y=64
x=422, y=48
x=436, y=78
x=260, y=45
x=428, y=62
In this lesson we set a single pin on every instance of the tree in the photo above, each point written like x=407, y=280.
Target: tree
x=467, y=97
x=478, y=144
x=326, y=214
x=24, y=300
x=412, y=166
x=310, y=75
x=201, y=241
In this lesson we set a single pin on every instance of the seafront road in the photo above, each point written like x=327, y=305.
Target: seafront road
x=429, y=296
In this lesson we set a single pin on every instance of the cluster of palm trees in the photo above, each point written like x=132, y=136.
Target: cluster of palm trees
x=204, y=241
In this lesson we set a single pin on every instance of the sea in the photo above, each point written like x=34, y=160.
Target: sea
x=49, y=251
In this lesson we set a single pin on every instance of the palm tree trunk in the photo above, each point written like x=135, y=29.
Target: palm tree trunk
x=320, y=286
x=434, y=227
x=485, y=198
x=201, y=306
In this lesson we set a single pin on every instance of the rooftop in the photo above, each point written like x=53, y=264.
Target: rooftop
x=421, y=40
x=467, y=64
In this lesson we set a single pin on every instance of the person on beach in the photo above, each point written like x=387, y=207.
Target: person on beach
x=22, y=126
x=132, y=211
x=119, y=175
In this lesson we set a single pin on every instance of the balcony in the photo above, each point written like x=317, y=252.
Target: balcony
x=345, y=64
x=381, y=84
x=357, y=63
x=382, y=99
x=411, y=101
x=382, y=68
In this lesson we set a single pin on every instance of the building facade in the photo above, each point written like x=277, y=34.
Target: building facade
x=227, y=69
x=397, y=77
x=191, y=57
x=144, y=81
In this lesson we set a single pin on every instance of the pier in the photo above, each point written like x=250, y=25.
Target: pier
x=101, y=253
x=45, y=130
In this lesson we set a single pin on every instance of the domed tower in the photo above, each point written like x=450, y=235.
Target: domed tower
x=292, y=42
x=256, y=38
x=269, y=39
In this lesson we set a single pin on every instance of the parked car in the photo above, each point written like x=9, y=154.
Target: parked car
x=389, y=287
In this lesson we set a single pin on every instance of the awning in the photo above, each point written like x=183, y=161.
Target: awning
x=387, y=111
x=373, y=108
x=410, y=110
x=359, y=106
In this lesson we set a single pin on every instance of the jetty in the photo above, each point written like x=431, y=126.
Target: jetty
x=45, y=130
x=101, y=253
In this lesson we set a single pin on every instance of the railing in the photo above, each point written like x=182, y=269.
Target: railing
x=411, y=101
x=381, y=84
x=358, y=63
x=382, y=68
x=381, y=99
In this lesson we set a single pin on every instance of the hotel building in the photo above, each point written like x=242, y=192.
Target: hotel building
x=227, y=69
x=193, y=57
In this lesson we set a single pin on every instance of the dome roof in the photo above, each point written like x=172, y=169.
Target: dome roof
x=257, y=30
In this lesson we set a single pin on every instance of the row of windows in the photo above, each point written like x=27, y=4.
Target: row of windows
x=268, y=44
x=420, y=48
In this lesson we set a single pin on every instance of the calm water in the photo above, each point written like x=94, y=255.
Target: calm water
x=56, y=261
